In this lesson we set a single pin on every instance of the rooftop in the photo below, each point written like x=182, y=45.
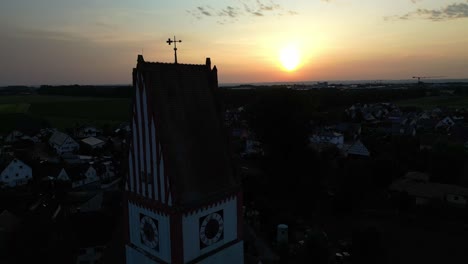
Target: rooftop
x=189, y=124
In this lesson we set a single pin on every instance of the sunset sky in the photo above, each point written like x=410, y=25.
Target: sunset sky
x=97, y=41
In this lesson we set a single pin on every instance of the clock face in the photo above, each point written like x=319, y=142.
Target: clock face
x=211, y=229
x=149, y=234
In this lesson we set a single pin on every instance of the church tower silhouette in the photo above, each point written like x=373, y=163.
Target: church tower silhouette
x=183, y=202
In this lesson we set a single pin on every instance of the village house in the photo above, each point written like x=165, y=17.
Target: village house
x=372, y=113
x=418, y=187
x=75, y=175
x=14, y=136
x=14, y=172
x=123, y=129
x=252, y=148
x=17, y=136
x=63, y=143
x=355, y=148
x=327, y=137
x=85, y=131
x=445, y=123
x=82, y=175
x=93, y=142
x=350, y=131
x=106, y=170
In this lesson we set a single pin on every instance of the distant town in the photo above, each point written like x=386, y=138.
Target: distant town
x=355, y=173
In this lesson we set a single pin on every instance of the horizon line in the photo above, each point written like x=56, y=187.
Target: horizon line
x=338, y=81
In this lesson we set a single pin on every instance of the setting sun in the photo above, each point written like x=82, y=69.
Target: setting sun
x=290, y=58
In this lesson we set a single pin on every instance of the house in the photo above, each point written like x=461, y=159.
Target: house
x=252, y=148
x=408, y=130
x=425, y=115
x=63, y=143
x=327, y=137
x=85, y=131
x=350, y=131
x=63, y=176
x=394, y=116
x=93, y=142
x=19, y=136
x=14, y=136
x=14, y=172
x=436, y=112
x=370, y=118
x=51, y=174
x=123, y=128
x=423, y=192
x=106, y=170
x=447, y=122
x=82, y=175
x=356, y=148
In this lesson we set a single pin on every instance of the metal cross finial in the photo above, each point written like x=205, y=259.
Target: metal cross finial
x=170, y=41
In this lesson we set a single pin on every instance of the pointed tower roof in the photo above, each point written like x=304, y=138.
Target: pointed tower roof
x=190, y=129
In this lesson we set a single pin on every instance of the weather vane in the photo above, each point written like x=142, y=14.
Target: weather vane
x=170, y=41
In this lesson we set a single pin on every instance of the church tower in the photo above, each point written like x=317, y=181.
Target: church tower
x=182, y=201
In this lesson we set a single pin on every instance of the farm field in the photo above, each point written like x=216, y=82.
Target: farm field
x=61, y=111
x=14, y=108
x=430, y=102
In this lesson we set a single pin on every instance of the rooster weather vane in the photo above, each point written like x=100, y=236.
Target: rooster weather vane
x=170, y=41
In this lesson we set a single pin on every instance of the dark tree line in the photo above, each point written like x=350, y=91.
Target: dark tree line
x=87, y=90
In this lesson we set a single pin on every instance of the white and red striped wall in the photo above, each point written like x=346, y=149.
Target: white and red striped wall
x=147, y=176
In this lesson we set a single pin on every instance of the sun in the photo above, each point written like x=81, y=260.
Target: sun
x=290, y=58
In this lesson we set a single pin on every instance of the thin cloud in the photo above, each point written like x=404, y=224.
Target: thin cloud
x=255, y=8
x=450, y=12
x=229, y=11
x=204, y=11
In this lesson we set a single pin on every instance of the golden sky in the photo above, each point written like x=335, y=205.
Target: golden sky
x=97, y=41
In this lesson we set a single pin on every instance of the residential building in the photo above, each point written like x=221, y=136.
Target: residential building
x=14, y=172
x=85, y=131
x=424, y=192
x=63, y=143
x=93, y=142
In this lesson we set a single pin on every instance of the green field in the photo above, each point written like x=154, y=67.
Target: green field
x=14, y=108
x=61, y=111
x=430, y=102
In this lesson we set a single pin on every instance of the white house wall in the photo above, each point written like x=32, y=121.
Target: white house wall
x=63, y=176
x=70, y=145
x=90, y=177
x=191, y=233
x=16, y=173
x=163, y=228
